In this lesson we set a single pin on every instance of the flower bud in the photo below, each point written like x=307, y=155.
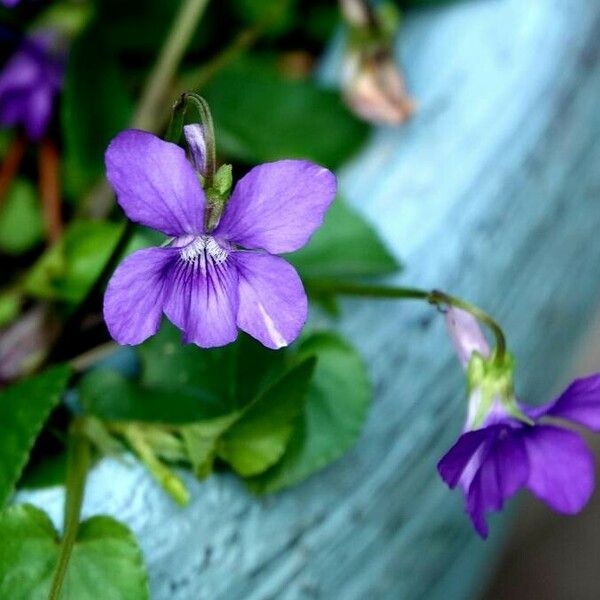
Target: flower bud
x=196, y=141
x=466, y=335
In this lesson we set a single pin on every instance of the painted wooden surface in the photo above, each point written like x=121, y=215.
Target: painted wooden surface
x=492, y=192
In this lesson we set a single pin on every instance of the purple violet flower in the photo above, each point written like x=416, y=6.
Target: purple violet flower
x=210, y=283
x=492, y=460
x=29, y=82
x=10, y=3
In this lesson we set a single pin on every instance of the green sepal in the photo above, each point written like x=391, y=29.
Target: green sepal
x=493, y=376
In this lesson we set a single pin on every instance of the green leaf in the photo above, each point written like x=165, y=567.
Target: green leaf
x=171, y=365
x=276, y=118
x=200, y=440
x=96, y=106
x=24, y=408
x=279, y=14
x=229, y=376
x=10, y=305
x=106, y=560
x=345, y=246
x=336, y=407
x=67, y=270
x=112, y=397
x=21, y=224
x=259, y=438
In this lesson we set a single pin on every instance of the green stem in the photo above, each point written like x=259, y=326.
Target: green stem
x=173, y=485
x=325, y=286
x=208, y=129
x=435, y=297
x=78, y=462
x=161, y=78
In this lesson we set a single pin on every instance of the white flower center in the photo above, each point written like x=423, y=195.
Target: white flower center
x=201, y=248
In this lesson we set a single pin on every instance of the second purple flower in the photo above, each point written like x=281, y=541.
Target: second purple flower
x=207, y=282
x=500, y=453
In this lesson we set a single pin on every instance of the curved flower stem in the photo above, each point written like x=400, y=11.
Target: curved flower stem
x=435, y=297
x=208, y=129
x=78, y=463
x=441, y=298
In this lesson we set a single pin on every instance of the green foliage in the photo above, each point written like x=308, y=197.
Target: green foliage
x=106, y=560
x=21, y=225
x=259, y=437
x=138, y=32
x=200, y=442
x=24, y=408
x=112, y=397
x=69, y=268
x=345, y=246
x=10, y=304
x=278, y=118
x=96, y=106
x=284, y=414
x=229, y=376
x=336, y=406
x=279, y=15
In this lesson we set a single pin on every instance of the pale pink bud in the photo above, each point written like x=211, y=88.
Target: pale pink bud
x=466, y=335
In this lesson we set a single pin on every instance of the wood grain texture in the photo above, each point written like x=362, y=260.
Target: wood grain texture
x=491, y=192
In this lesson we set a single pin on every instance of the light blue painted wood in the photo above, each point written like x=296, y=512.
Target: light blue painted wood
x=491, y=192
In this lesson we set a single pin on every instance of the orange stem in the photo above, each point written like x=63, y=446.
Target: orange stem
x=49, y=185
x=11, y=163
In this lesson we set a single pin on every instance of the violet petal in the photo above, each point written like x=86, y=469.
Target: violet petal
x=155, y=184
x=561, y=467
x=135, y=295
x=39, y=113
x=503, y=471
x=277, y=206
x=203, y=301
x=579, y=403
x=455, y=461
x=273, y=305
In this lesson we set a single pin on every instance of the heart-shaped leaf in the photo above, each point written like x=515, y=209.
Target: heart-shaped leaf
x=336, y=406
x=106, y=561
x=259, y=437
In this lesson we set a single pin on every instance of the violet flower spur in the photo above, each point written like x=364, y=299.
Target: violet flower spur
x=210, y=282
x=499, y=453
x=30, y=81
